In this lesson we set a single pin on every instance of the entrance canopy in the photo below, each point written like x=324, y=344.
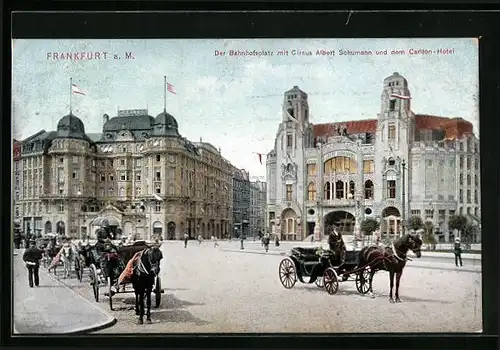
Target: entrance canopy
x=105, y=221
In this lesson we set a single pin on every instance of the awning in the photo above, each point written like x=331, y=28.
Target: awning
x=105, y=221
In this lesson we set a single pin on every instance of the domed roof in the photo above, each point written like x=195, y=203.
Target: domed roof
x=71, y=126
x=166, y=125
x=166, y=119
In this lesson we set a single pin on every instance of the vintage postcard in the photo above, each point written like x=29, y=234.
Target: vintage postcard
x=308, y=185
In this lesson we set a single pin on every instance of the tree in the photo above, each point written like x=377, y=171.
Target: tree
x=368, y=226
x=428, y=237
x=468, y=234
x=457, y=222
x=415, y=223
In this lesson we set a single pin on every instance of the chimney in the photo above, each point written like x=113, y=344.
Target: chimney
x=105, y=119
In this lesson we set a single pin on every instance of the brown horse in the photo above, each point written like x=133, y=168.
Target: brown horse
x=391, y=258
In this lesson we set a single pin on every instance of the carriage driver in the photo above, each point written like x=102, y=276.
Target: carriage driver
x=336, y=242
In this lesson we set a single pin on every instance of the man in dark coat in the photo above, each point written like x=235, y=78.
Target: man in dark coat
x=32, y=257
x=457, y=249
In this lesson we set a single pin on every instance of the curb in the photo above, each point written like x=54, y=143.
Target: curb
x=111, y=321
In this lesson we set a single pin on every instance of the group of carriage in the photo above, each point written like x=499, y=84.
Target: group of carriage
x=104, y=263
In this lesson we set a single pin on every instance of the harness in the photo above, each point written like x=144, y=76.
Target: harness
x=140, y=266
x=395, y=253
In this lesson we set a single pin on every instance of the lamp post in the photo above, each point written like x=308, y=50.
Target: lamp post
x=403, y=194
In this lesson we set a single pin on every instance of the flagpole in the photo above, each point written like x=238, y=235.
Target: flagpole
x=165, y=93
x=70, y=93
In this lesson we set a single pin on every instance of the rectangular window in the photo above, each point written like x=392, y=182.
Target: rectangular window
x=461, y=162
x=415, y=213
x=158, y=188
x=158, y=176
x=468, y=196
x=138, y=162
x=61, y=160
x=442, y=214
x=311, y=169
x=469, y=180
x=429, y=213
x=391, y=189
x=289, y=140
x=469, y=162
x=111, y=162
x=75, y=159
x=428, y=162
x=122, y=177
x=122, y=161
x=289, y=193
x=103, y=163
x=111, y=177
x=391, y=132
x=451, y=213
x=138, y=177
x=137, y=191
x=476, y=197
x=461, y=179
x=102, y=192
x=158, y=158
x=157, y=207
x=75, y=175
x=392, y=105
x=461, y=146
x=61, y=207
x=368, y=166
x=461, y=195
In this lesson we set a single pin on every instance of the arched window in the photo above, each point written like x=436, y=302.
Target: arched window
x=368, y=189
x=311, y=192
x=339, y=189
x=289, y=168
x=327, y=191
x=352, y=187
x=476, y=211
x=341, y=165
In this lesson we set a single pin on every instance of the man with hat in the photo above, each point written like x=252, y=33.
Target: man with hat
x=457, y=249
x=336, y=242
x=32, y=257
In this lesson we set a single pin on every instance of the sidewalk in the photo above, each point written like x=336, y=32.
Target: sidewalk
x=52, y=307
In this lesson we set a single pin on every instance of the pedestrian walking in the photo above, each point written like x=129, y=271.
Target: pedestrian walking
x=457, y=249
x=186, y=238
x=277, y=241
x=199, y=239
x=215, y=241
x=242, y=238
x=265, y=240
x=32, y=257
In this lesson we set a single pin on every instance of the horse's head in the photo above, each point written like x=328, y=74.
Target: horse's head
x=414, y=243
x=153, y=258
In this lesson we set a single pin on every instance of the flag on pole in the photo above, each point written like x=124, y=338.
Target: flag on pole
x=259, y=155
x=401, y=97
x=170, y=88
x=76, y=90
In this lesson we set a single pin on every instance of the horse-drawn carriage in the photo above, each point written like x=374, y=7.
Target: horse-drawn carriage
x=107, y=265
x=322, y=267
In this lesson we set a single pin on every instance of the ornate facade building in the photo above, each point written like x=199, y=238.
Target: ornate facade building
x=241, y=202
x=389, y=168
x=257, y=208
x=139, y=173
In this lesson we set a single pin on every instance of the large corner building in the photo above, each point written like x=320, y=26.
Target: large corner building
x=139, y=173
x=390, y=168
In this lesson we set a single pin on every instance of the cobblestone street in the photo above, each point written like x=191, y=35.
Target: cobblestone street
x=225, y=289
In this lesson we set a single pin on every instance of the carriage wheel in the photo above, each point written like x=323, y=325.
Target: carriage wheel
x=157, y=292
x=110, y=293
x=363, y=280
x=320, y=282
x=287, y=273
x=331, y=281
x=94, y=281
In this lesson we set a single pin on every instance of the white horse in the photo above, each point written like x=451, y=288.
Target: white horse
x=68, y=257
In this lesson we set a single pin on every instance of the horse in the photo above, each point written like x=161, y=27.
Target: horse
x=68, y=257
x=391, y=258
x=145, y=270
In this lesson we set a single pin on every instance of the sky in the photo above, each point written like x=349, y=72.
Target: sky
x=235, y=102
